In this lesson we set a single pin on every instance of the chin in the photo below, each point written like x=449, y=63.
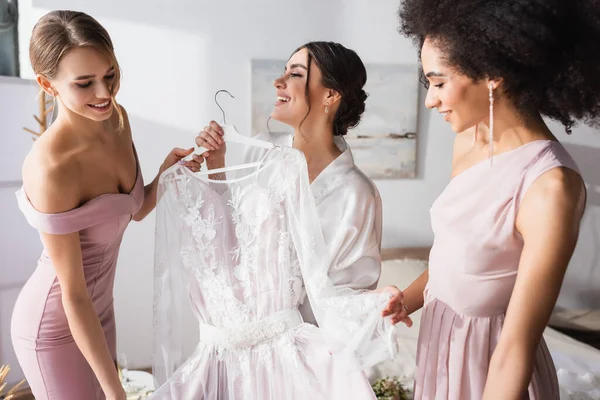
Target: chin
x=279, y=118
x=459, y=128
x=96, y=118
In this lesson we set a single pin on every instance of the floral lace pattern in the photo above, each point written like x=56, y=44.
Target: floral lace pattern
x=251, y=334
x=230, y=276
x=236, y=253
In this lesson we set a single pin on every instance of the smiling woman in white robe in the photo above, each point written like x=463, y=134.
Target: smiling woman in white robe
x=320, y=95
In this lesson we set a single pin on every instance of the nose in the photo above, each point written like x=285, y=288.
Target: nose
x=279, y=83
x=431, y=100
x=104, y=90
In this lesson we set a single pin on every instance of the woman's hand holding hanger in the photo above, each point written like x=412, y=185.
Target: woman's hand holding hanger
x=178, y=155
x=211, y=138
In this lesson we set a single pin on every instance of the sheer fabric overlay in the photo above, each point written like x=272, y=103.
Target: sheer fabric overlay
x=239, y=254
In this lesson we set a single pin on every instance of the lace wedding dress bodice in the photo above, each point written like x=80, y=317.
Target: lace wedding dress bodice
x=241, y=253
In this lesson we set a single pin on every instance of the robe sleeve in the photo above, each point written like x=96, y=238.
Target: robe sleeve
x=350, y=318
x=354, y=242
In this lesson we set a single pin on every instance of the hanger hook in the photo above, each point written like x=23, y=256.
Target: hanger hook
x=218, y=105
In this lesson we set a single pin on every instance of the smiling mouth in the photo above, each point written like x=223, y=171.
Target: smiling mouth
x=101, y=106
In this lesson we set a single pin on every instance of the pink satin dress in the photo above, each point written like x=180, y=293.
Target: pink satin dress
x=472, y=272
x=53, y=365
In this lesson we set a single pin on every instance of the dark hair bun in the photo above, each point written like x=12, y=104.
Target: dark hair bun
x=350, y=112
x=343, y=71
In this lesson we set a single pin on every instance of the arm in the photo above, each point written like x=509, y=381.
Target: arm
x=404, y=303
x=353, y=238
x=413, y=295
x=150, y=190
x=65, y=253
x=355, y=243
x=329, y=244
x=548, y=221
x=52, y=192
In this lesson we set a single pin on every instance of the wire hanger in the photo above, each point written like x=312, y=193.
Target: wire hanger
x=230, y=134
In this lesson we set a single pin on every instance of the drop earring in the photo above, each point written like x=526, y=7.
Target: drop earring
x=491, y=126
x=54, y=94
x=327, y=108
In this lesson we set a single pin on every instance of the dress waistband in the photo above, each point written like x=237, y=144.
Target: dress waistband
x=253, y=333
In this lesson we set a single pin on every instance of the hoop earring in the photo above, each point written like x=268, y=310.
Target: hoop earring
x=491, y=138
x=327, y=108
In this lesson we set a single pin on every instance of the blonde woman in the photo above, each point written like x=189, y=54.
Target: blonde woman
x=82, y=185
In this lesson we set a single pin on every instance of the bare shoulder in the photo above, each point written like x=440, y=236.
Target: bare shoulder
x=51, y=172
x=558, y=193
x=560, y=184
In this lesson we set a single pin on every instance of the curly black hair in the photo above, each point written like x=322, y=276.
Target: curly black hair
x=547, y=52
x=343, y=71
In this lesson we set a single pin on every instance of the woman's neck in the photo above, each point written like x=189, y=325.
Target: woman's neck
x=85, y=127
x=318, y=147
x=512, y=129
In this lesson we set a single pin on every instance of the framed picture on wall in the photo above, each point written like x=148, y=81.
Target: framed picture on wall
x=9, y=39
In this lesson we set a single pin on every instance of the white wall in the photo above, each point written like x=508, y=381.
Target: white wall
x=581, y=287
x=175, y=55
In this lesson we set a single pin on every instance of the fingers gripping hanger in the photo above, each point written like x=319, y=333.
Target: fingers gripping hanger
x=230, y=134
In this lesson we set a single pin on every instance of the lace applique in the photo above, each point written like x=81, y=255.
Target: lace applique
x=251, y=334
x=286, y=255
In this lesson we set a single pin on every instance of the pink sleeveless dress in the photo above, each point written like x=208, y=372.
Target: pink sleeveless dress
x=53, y=365
x=472, y=272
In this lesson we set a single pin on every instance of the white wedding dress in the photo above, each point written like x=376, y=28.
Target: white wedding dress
x=241, y=253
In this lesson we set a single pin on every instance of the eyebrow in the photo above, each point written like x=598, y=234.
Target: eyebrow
x=83, y=77
x=295, y=66
x=435, y=74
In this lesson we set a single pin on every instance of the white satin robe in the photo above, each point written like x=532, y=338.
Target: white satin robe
x=349, y=208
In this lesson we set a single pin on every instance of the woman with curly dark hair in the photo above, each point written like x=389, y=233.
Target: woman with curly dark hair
x=507, y=223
